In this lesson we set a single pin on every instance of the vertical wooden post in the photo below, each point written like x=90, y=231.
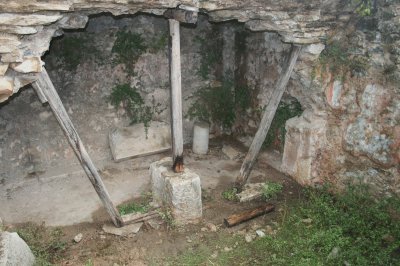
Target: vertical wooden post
x=266, y=120
x=176, y=96
x=46, y=91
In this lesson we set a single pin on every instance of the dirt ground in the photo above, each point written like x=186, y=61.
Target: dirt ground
x=151, y=246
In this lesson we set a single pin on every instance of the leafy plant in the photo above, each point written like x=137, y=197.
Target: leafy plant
x=159, y=44
x=338, y=59
x=363, y=7
x=271, y=190
x=128, y=46
x=230, y=194
x=74, y=49
x=210, y=52
x=46, y=244
x=167, y=217
x=128, y=97
x=220, y=104
x=89, y=262
x=276, y=133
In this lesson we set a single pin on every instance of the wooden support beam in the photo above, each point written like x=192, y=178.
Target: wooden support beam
x=184, y=16
x=266, y=120
x=176, y=96
x=39, y=92
x=235, y=219
x=46, y=87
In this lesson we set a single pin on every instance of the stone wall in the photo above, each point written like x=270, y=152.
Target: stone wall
x=349, y=133
x=27, y=27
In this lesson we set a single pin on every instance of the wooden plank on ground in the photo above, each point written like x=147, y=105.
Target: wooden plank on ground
x=235, y=219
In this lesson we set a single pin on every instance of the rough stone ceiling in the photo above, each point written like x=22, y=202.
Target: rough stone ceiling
x=27, y=27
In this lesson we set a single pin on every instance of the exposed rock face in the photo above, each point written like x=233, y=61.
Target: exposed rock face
x=360, y=143
x=27, y=27
x=14, y=250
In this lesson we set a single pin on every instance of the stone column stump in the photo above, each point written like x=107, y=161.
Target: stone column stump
x=181, y=192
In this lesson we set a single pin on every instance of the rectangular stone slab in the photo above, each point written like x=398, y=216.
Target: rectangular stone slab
x=130, y=142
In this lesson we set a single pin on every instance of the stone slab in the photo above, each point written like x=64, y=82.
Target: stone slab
x=14, y=250
x=122, y=231
x=181, y=192
x=251, y=192
x=231, y=152
x=131, y=142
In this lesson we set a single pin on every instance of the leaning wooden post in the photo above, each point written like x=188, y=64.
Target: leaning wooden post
x=46, y=91
x=188, y=15
x=266, y=120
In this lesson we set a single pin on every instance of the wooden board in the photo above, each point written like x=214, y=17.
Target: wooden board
x=47, y=90
x=267, y=118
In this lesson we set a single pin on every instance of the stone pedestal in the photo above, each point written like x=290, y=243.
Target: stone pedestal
x=305, y=137
x=181, y=192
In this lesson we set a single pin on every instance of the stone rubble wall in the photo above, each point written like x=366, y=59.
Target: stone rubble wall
x=27, y=27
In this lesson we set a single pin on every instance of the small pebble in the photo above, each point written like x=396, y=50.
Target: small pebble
x=212, y=227
x=260, y=233
x=307, y=221
x=248, y=238
x=78, y=238
x=226, y=249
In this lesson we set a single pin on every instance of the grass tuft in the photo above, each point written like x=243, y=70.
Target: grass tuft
x=271, y=190
x=46, y=244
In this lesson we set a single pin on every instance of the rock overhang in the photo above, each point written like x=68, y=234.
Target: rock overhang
x=27, y=27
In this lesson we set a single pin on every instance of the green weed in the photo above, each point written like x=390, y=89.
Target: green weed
x=219, y=105
x=338, y=59
x=128, y=47
x=128, y=97
x=363, y=7
x=46, y=244
x=89, y=262
x=133, y=207
x=230, y=194
x=276, y=133
x=211, y=52
x=158, y=44
x=271, y=190
x=167, y=217
x=72, y=50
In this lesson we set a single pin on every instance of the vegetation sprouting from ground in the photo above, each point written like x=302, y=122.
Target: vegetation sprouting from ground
x=219, y=105
x=46, y=244
x=322, y=229
x=230, y=194
x=133, y=207
x=271, y=190
x=276, y=133
x=141, y=205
